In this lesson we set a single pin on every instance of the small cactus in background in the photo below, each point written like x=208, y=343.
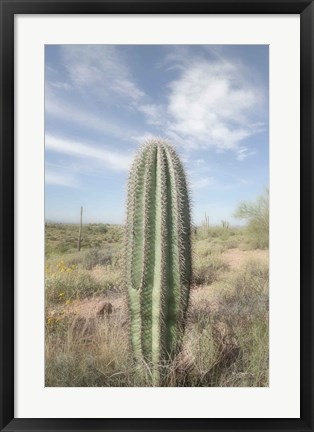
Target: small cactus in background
x=79, y=241
x=206, y=224
x=225, y=224
x=158, y=250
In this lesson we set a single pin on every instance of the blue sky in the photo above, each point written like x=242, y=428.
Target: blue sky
x=103, y=101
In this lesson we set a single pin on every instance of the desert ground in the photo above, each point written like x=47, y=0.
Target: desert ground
x=86, y=314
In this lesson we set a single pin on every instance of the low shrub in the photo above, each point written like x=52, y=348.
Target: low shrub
x=257, y=216
x=97, y=256
x=70, y=283
x=208, y=269
x=88, y=353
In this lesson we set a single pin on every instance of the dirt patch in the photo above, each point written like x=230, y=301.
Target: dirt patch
x=235, y=258
x=89, y=308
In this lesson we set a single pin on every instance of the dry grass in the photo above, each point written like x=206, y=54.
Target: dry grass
x=226, y=335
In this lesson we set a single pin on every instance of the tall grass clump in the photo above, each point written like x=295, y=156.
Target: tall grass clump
x=208, y=262
x=89, y=352
x=244, y=308
x=64, y=282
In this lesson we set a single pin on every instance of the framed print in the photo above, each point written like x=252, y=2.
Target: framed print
x=156, y=215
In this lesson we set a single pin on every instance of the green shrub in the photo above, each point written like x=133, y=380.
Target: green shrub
x=257, y=216
x=249, y=297
x=208, y=269
x=70, y=285
x=97, y=256
x=102, y=228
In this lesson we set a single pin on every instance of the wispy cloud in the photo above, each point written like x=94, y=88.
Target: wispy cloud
x=83, y=117
x=243, y=153
x=100, y=67
x=101, y=101
x=213, y=104
x=55, y=178
x=155, y=114
x=127, y=88
x=202, y=183
x=93, y=81
x=111, y=159
x=199, y=162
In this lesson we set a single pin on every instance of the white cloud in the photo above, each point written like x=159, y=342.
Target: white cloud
x=94, y=79
x=140, y=139
x=100, y=67
x=214, y=104
x=199, y=162
x=178, y=57
x=112, y=160
x=83, y=117
x=55, y=178
x=202, y=183
x=127, y=88
x=243, y=153
x=60, y=85
x=155, y=114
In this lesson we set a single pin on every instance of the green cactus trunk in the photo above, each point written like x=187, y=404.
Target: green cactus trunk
x=158, y=254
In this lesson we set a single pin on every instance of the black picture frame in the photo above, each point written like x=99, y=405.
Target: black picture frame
x=8, y=9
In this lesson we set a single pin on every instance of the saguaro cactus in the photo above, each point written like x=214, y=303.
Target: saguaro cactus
x=158, y=252
x=79, y=240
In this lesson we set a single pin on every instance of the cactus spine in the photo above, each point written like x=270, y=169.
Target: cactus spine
x=158, y=253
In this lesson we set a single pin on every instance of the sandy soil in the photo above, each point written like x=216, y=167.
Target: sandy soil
x=236, y=257
x=89, y=308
